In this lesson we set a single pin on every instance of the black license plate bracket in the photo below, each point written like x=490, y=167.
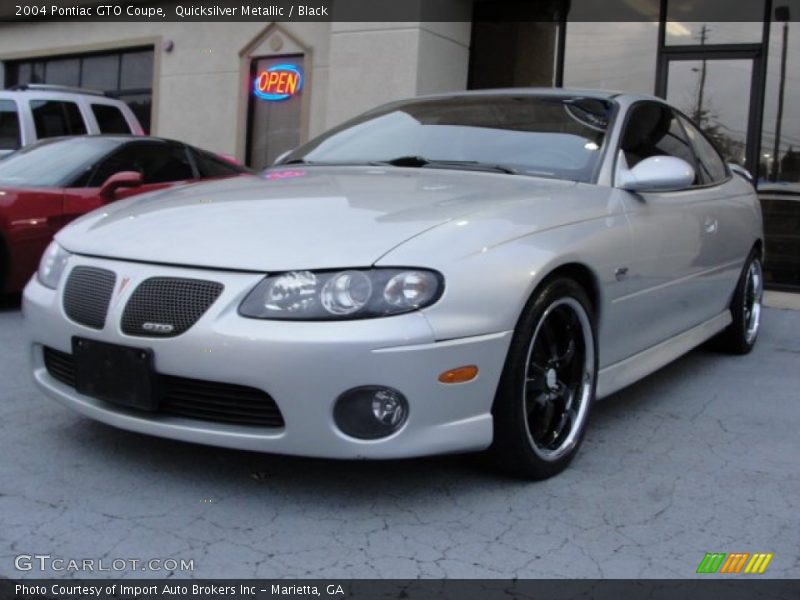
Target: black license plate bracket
x=123, y=375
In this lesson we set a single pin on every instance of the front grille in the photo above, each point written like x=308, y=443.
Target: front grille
x=224, y=402
x=192, y=398
x=87, y=294
x=60, y=366
x=168, y=306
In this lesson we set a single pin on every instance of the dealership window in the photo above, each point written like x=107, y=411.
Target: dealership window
x=780, y=140
x=275, y=108
x=779, y=160
x=9, y=125
x=691, y=22
x=125, y=74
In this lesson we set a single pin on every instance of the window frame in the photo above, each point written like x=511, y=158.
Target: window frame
x=13, y=68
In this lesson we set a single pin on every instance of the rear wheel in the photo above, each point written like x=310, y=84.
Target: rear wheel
x=741, y=334
x=548, y=383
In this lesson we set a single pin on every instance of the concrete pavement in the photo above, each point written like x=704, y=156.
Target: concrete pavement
x=702, y=456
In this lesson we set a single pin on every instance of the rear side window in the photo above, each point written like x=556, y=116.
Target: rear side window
x=210, y=166
x=9, y=126
x=711, y=164
x=157, y=163
x=54, y=118
x=110, y=119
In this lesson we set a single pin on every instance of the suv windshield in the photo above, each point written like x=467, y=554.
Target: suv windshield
x=53, y=163
x=546, y=136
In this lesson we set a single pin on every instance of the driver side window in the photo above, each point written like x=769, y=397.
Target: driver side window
x=653, y=129
x=157, y=163
x=711, y=164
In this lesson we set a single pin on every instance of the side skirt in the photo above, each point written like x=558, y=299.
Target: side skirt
x=619, y=375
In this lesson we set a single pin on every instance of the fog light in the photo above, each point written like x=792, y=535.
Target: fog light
x=370, y=412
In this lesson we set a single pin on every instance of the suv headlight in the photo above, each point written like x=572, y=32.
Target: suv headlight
x=52, y=265
x=350, y=294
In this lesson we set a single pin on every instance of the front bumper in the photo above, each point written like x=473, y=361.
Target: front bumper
x=303, y=366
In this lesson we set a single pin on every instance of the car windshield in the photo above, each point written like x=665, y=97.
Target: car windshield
x=53, y=163
x=547, y=136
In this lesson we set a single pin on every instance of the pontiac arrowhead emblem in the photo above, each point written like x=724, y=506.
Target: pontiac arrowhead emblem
x=123, y=284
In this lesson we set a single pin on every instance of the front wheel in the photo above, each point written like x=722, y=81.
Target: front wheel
x=548, y=383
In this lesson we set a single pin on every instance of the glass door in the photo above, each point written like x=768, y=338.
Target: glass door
x=716, y=90
x=715, y=94
x=274, y=115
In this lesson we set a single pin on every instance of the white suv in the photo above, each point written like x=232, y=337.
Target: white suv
x=35, y=111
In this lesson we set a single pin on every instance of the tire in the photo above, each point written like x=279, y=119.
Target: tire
x=741, y=335
x=548, y=383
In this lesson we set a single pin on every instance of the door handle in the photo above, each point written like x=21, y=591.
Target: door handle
x=711, y=225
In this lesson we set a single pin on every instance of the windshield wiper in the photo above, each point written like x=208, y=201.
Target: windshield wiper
x=421, y=161
x=411, y=161
x=320, y=163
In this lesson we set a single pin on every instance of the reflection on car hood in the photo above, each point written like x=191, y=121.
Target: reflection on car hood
x=298, y=218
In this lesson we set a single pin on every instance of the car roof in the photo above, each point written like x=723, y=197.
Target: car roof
x=57, y=92
x=627, y=97
x=61, y=89
x=116, y=137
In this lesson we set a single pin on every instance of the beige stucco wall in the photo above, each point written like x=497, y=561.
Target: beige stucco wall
x=374, y=63
x=200, y=87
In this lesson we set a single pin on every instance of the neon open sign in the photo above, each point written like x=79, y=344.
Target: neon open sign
x=278, y=83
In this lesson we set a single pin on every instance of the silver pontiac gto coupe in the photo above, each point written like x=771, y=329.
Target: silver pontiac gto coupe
x=445, y=274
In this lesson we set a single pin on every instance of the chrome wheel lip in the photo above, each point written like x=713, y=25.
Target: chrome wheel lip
x=583, y=395
x=753, y=294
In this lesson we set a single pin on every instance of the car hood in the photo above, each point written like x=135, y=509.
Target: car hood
x=300, y=218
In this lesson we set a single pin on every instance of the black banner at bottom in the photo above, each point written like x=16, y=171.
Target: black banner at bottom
x=378, y=589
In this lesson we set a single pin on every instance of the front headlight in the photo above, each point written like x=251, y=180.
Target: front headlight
x=350, y=294
x=52, y=265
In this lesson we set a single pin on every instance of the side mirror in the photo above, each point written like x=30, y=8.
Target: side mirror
x=123, y=179
x=656, y=174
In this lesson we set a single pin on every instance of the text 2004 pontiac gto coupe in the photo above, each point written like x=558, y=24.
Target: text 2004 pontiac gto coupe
x=451, y=273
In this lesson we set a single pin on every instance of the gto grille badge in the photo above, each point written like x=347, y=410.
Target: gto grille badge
x=158, y=327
